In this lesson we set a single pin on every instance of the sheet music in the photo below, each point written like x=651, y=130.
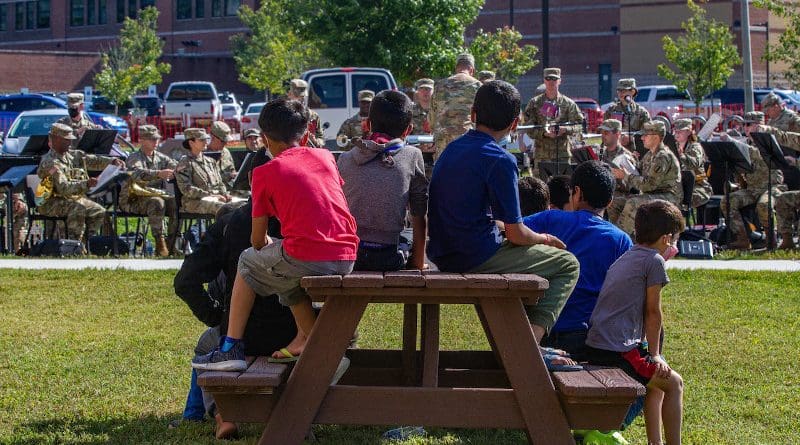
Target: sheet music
x=109, y=173
x=215, y=199
x=624, y=162
x=709, y=127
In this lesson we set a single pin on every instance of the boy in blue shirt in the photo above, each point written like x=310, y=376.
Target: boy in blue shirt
x=474, y=184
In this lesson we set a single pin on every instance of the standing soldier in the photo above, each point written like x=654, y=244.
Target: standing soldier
x=354, y=127
x=452, y=104
x=77, y=120
x=145, y=191
x=420, y=110
x=18, y=218
x=659, y=175
x=298, y=90
x=631, y=114
x=779, y=117
x=220, y=135
x=547, y=110
x=197, y=177
x=485, y=76
x=65, y=181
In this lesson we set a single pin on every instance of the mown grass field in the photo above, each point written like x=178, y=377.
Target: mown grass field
x=101, y=357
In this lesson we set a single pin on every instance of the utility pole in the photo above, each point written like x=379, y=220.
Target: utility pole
x=747, y=62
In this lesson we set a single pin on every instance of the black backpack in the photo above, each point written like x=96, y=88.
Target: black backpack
x=57, y=248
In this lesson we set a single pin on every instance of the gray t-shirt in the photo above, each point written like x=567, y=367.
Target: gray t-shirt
x=617, y=322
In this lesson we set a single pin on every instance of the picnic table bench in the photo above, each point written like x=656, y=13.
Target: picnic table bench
x=507, y=387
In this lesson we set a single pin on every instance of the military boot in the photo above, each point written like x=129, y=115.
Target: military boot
x=787, y=243
x=161, y=247
x=740, y=242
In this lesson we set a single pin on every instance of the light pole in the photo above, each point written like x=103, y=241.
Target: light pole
x=747, y=62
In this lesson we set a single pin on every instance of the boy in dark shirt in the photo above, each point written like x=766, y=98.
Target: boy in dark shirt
x=628, y=312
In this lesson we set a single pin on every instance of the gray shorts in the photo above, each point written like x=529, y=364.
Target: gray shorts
x=271, y=271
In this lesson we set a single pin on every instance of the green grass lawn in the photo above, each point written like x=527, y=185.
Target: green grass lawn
x=96, y=357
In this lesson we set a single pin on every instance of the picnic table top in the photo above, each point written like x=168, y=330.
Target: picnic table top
x=426, y=279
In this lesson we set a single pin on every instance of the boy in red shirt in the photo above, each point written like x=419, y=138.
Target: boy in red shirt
x=301, y=187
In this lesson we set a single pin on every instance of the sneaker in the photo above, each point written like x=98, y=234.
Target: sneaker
x=217, y=360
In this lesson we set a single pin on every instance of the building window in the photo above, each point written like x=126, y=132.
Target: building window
x=91, y=13
x=19, y=16
x=76, y=13
x=102, y=12
x=184, y=9
x=43, y=14
x=132, y=9
x=220, y=8
x=3, y=17
x=120, y=11
x=30, y=15
x=232, y=6
x=200, y=9
x=146, y=3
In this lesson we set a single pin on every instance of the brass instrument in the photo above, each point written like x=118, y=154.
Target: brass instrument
x=140, y=188
x=43, y=191
x=342, y=141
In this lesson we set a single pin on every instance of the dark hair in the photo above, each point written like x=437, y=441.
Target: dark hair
x=559, y=190
x=596, y=181
x=533, y=195
x=390, y=113
x=656, y=219
x=284, y=120
x=496, y=105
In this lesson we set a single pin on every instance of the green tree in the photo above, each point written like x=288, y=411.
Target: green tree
x=412, y=38
x=500, y=52
x=703, y=56
x=271, y=52
x=133, y=65
x=787, y=50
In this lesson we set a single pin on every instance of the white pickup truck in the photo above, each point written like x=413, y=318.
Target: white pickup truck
x=668, y=101
x=192, y=103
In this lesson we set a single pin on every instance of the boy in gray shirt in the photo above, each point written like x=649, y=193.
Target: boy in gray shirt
x=628, y=313
x=382, y=176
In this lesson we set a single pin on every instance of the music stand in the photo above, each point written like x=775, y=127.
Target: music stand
x=215, y=155
x=11, y=179
x=37, y=145
x=97, y=141
x=773, y=155
x=553, y=168
x=732, y=155
x=241, y=182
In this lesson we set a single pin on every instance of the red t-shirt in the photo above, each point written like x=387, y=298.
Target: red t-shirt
x=302, y=188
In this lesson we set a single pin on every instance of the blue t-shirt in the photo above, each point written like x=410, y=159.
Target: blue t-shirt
x=474, y=183
x=596, y=243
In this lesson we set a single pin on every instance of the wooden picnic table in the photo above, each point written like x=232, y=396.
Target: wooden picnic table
x=507, y=387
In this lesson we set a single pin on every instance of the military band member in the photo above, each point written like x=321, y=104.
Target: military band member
x=78, y=120
x=198, y=178
x=18, y=218
x=451, y=104
x=485, y=76
x=692, y=158
x=778, y=116
x=659, y=175
x=220, y=135
x=252, y=139
x=150, y=171
x=298, y=90
x=552, y=142
x=626, y=110
x=63, y=171
x=420, y=110
x=354, y=126
x=610, y=150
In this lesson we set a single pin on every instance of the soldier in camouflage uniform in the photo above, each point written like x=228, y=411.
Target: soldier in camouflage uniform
x=659, y=175
x=548, y=109
x=19, y=216
x=625, y=110
x=65, y=170
x=220, y=135
x=149, y=168
x=421, y=109
x=610, y=131
x=485, y=76
x=252, y=139
x=778, y=116
x=78, y=120
x=198, y=178
x=692, y=158
x=354, y=126
x=451, y=104
x=298, y=90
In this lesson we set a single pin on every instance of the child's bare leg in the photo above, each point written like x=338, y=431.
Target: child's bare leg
x=671, y=407
x=652, y=414
x=304, y=317
x=242, y=299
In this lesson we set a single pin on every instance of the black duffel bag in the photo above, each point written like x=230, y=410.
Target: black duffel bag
x=57, y=247
x=103, y=245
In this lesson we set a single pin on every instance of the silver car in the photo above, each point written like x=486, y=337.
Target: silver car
x=250, y=116
x=27, y=124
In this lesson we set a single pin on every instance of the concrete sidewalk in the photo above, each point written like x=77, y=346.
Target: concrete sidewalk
x=145, y=264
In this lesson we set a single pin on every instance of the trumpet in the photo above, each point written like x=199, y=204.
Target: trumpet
x=343, y=141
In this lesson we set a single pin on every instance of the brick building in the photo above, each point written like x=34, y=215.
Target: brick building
x=589, y=40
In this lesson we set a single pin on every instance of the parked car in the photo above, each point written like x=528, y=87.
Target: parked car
x=250, y=116
x=592, y=113
x=232, y=115
x=153, y=104
x=194, y=103
x=13, y=104
x=101, y=104
x=27, y=124
x=668, y=101
x=735, y=96
x=333, y=92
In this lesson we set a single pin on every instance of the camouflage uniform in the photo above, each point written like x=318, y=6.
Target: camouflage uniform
x=352, y=128
x=637, y=117
x=419, y=117
x=788, y=202
x=70, y=184
x=787, y=120
x=316, y=136
x=83, y=122
x=621, y=192
x=144, y=170
x=550, y=149
x=451, y=106
x=19, y=218
x=198, y=177
x=659, y=178
x=693, y=159
x=485, y=76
